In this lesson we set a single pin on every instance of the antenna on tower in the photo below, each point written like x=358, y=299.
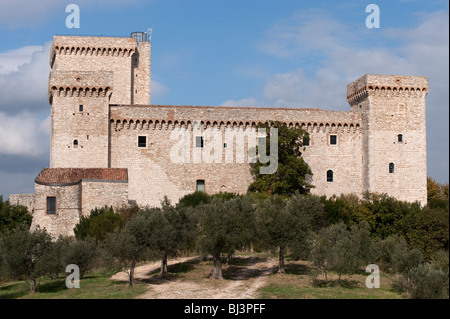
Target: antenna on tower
x=149, y=34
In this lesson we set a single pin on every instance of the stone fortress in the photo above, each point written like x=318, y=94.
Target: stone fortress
x=110, y=146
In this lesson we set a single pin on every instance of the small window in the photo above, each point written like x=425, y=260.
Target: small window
x=305, y=141
x=225, y=145
x=51, y=205
x=400, y=138
x=75, y=143
x=142, y=141
x=329, y=175
x=391, y=168
x=80, y=108
x=333, y=139
x=199, y=141
x=200, y=185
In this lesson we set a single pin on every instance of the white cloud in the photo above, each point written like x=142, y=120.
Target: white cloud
x=24, y=86
x=307, y=33
x=344, y=55
x=157, y=91
x=248, y=102
x=24, y=134
x=11, y=60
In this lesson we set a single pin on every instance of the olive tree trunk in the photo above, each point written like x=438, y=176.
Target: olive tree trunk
x=131, y=275
x=217, y=267
x=164, y=263
x=281, y=262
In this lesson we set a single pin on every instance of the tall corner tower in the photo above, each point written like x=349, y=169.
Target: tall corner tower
x=394, y=134
x=87, y=75
x=141, y=69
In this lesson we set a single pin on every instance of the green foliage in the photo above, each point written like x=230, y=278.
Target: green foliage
x=290, y=176
x=387, y=212
x=194, y=199
x=23, y=253
x=225, y=195
x=127, y=246
x=126, y=212
x=223, y=227
x=349, y=209
x=83, y=253
x=339, y=249
x=424, y=282
x=287, y=224
x=394, y=255
x=12, y=216
x=98, y=224
x=54, y=259
x=440, y=261
x=426, y=229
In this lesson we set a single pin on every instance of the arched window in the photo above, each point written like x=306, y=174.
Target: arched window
x=400, y=138
x=75, y=143
x=329, y=175
x=391, y=168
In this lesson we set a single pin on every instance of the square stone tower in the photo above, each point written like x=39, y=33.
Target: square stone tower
x=394, y=134
x=87, y=75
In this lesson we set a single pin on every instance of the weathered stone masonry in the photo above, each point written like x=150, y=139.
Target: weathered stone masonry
x=102, y=124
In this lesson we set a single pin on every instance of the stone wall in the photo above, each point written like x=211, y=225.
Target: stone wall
x=68, y=208
x=163, y=126
x=100, y=193
x=26, y=200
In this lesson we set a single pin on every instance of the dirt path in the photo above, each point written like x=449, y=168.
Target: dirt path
x=244, y=279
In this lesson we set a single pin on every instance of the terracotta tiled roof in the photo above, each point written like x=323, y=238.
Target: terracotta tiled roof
x=75, y=175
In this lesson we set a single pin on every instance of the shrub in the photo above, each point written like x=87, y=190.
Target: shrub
x=82, y=253
x=424, y=282
x=12, y=216
x=395, y=256
x=98, y=224
x=194, y=199
x=440, y=260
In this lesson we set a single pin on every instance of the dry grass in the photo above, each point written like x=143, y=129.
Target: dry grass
x=256, y=277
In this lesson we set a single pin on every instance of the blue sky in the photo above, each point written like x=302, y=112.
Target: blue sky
x=282, y=53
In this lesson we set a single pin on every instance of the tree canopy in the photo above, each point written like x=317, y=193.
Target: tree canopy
x=292, y=171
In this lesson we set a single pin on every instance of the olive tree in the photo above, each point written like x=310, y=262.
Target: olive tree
x=24, y=253
x=223, y=227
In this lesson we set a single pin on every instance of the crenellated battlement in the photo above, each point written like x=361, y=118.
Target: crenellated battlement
x=92, y=46
x=387, y=86
x=164, y=124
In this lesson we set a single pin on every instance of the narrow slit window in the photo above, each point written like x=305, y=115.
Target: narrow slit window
x=75, y=143
x=51, y=205
x=200, y=185
x=391, y=168
x=142, y=141
x=330, y=176
x=400, y=138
